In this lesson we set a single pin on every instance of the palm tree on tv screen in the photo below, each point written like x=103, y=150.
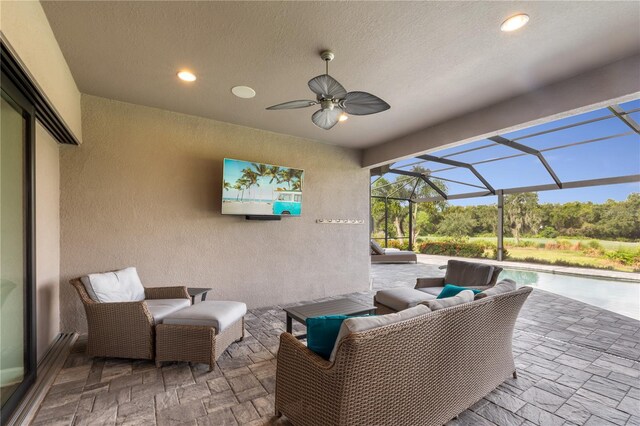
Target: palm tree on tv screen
x=291, y=176
x=262, y=170
x=241, y=185
x=274, y=172
x=238, y=187
x=297, y=179
x=251, y=177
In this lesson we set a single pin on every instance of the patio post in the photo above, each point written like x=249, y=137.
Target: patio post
x=500, y=249
x=410, y=225
x=386, y=221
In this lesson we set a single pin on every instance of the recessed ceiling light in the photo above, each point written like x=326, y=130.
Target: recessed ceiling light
x=515, y=22
x=244, y=92
x=344, y=117
x=186, y=76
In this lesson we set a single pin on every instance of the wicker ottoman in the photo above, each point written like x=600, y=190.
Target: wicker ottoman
x=200, y=333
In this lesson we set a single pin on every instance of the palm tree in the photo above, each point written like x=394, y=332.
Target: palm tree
x=286, y=175
x=274, y=172
x=226, y=185
x=251, y=177
x=296, y=177
x=262, y=170
x=238, y=187
x=241, y=185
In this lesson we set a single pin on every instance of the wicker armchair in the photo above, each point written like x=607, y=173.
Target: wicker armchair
x=422, y=371
x=123, y=329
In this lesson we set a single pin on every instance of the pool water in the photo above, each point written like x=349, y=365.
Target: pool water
x=616, y=296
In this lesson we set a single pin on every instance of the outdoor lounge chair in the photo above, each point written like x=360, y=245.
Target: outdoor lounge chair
x=382, y=255
x=126, y=329
x=465, y=274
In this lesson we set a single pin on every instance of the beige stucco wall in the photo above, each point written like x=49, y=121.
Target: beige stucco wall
x=144, y=189
x=25, y=27
x=47, y=239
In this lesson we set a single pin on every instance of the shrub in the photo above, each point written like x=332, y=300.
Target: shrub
x=594, y=244
x=564, y=244
x=548, y=232
x=398, y=244
x=593, y=248
x=494, y=253
x=626, y=257
x=551, y=245
x=522, y=243
x=452, y=248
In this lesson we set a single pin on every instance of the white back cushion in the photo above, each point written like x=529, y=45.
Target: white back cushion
x=503, y=286
x=465, y=296
x=357, y=324
x=118, y=286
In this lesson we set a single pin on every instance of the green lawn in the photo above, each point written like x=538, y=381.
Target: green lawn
x=574, y=257
x=607, y=245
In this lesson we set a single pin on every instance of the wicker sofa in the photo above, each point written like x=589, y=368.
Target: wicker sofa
x=421, y=371
x=127, y=329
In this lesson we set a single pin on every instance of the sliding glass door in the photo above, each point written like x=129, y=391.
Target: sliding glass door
x=17, y=334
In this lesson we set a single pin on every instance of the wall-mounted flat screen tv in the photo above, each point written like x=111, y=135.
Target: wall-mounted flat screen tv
x=257, y=189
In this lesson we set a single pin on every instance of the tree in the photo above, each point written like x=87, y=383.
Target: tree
x=456, y=224
x=274, y=173
x=251, y=179
x=522, y=213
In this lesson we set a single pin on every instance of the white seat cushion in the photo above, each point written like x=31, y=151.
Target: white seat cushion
x=118, y=286
x=218, y=314
x=402, y=298
x=160, y=308
x=434, y=291
x=358, y=324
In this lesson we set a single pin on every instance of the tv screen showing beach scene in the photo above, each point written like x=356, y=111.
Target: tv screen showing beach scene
x=257, y=189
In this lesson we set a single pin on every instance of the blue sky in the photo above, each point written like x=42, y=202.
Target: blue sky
x=618, y=156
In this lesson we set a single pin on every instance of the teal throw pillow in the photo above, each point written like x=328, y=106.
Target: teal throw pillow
x=451, y=290
x=322, y=333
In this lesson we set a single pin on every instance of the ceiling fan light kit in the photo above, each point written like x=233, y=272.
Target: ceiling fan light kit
x=335, y=102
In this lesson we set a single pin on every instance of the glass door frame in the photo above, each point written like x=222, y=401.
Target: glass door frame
x=11, y=94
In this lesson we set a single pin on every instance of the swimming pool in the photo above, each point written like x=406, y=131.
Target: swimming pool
x=616, y=296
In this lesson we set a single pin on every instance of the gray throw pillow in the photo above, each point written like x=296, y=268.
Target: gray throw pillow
x=503, y=286
x=465, y=296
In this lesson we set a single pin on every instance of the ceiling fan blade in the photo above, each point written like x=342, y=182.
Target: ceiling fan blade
x=326, y=86
x=326, y=118
x=363, y=103
x=293, y=104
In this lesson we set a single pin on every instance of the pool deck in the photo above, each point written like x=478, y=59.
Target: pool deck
x=429, y=259
x=577, y=365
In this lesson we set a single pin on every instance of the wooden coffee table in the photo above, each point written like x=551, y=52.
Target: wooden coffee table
x=342, y=306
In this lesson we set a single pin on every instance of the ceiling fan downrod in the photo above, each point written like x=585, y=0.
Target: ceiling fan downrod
x=327, y=56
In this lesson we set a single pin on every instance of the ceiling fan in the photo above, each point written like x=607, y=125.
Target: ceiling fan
x=334, y=100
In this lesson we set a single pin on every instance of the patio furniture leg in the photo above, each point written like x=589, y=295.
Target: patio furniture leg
x=289, y=324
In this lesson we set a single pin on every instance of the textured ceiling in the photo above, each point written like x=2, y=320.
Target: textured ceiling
x=429, y=60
